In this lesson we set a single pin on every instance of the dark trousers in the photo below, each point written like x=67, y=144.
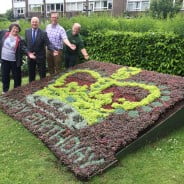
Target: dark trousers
x=41, y=66
x=70, y=60
x=6, y=67
x=54, y=62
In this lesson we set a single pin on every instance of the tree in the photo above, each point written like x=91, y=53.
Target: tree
x=165, y=8
x=9, y=14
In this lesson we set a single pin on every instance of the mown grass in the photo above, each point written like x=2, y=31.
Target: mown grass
x=26, y=160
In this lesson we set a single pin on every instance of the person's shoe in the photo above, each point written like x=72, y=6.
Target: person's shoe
x=3, y=92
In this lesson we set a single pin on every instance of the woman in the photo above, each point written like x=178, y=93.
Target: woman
x=12, y=47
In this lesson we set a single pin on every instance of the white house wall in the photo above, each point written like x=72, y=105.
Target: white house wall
x=35, y=1
x=53, y=1
x=19, y=5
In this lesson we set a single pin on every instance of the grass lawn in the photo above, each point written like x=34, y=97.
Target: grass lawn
x=25, y=160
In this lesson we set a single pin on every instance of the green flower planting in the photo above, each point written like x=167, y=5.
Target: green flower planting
x=90, y=100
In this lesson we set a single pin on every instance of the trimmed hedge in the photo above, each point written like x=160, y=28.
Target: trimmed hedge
x=162, y=52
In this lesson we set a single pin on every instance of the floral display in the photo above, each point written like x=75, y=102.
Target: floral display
x=86, y=114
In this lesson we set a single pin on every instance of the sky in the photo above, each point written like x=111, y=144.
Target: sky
x=5, y=5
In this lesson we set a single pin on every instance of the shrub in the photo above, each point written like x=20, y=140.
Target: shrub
x=152, y=51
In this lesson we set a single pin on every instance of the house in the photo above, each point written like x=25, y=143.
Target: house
x=43, y=8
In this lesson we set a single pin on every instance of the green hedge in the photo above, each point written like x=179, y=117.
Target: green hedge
x=162, y=52
x=143, y=42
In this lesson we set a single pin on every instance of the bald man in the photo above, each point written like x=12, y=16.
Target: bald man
x=71, y=56
x=37, y=40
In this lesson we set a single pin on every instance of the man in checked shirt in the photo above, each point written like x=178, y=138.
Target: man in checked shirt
x=57, y=36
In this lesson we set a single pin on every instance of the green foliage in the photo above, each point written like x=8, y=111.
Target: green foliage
x=9, y=14
x=162, y=52
x=164, y=8
x=107, y=22
x=132, y=41
x=175, y=25
x=4, y=24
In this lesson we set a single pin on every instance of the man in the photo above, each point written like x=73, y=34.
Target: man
x=37, y=40
x=71, y=56
x=57, y=37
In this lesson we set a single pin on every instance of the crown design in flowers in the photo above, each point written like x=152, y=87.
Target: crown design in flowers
x=92, y=99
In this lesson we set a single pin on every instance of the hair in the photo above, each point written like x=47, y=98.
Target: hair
x=14, y=25
x=54, y=13
x=35, y=18
x=77, y=25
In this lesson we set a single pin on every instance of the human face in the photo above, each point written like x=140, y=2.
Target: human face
x=14, y=31
x=75, y=30
x=34, y=23
x=54, y=18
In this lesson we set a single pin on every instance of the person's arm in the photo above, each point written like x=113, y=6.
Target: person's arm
x=2, y=33
x=82, y=49
x=25, y=50
x=67, y=42
x=85, y=54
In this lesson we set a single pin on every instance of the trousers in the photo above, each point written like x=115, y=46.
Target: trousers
x=6, y=68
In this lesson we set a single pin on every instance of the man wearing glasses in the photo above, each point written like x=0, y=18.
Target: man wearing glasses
x=57, y=36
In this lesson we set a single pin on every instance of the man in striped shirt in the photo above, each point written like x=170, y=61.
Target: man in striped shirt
x=57, y=36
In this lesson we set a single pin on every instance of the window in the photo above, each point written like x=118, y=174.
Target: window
x=18, y=1
x=52, y=7
x=58, y=7
x=130, y=6
x=35, y=7
x=19, y=12
x=104, y=4
x=71, y=7
x=62, y=7
x=136, y=5
x=145, y=5
x=109, y=6
x=97, y=5
x=48, y=8
x=80, y=6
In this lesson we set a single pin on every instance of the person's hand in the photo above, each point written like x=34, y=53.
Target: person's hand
x=55, y=53
x=32, y=55
x=86, y=56
x=73, y=47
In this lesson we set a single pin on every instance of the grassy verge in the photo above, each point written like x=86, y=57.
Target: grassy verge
x=25, y=160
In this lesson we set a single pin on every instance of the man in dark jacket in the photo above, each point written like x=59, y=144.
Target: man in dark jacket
x=37, y=40
x=12, y=48
x=71, y=56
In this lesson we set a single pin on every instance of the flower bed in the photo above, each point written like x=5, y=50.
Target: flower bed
x=87, y=114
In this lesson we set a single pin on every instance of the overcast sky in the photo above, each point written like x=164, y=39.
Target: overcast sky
x=5, y=5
